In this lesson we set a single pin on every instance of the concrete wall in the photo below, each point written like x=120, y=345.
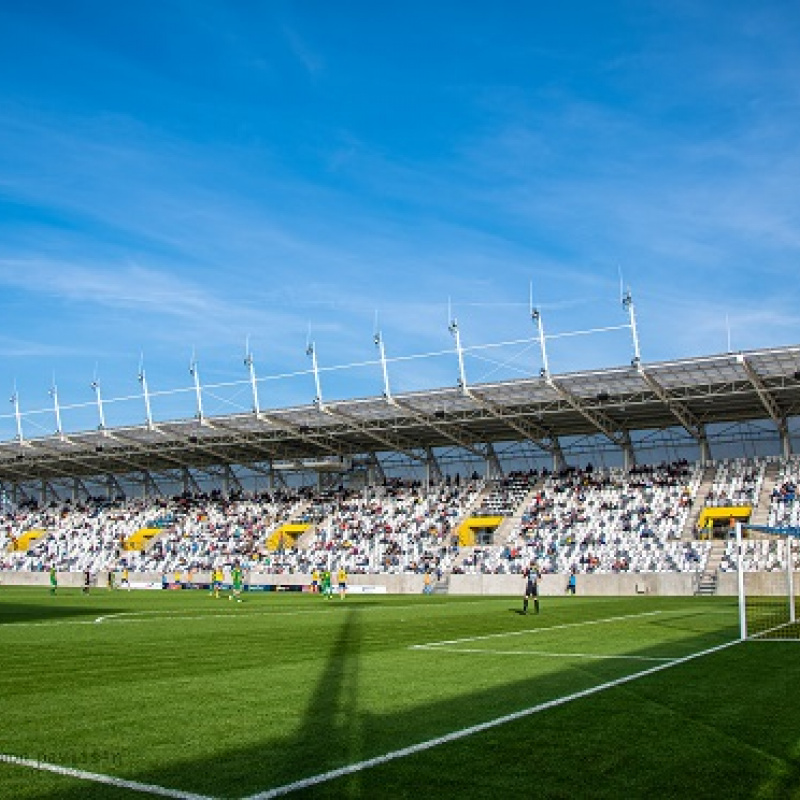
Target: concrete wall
x=758, y=583
x=667, y=584
x=68, y=579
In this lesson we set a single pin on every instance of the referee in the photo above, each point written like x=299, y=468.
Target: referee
x=531, y=588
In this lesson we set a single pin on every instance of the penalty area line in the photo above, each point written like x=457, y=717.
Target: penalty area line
x=545, y=629
x=96, y=777
x=350, y=769
x=543, y=653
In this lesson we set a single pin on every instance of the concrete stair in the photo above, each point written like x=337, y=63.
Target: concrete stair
x=295, y=513
x=699, y=502
x=760, y=515
x=510, y=525
x=707, y=582
x=306, y=540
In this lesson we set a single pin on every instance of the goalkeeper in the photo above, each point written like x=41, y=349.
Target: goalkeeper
x=531, y=588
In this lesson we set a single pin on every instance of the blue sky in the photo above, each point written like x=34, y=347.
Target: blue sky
x=181, y=175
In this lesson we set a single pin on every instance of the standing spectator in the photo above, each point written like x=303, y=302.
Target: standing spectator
x=571, y=582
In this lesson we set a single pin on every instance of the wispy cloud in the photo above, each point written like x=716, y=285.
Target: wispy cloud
x=196, y=212
x=311, y=60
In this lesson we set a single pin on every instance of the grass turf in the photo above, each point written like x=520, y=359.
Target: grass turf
x=228, y=700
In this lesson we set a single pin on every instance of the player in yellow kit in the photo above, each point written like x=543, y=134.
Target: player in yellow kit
x=216, y=581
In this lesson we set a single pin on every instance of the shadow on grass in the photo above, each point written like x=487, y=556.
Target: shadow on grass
x=42, y=611
x=659, y=737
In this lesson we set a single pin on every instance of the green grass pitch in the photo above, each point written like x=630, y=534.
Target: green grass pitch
x=201, y=696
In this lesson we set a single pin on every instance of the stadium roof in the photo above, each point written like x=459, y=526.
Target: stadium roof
x=690, y=393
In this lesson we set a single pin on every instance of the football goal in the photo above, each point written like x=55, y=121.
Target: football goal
x=768, y=562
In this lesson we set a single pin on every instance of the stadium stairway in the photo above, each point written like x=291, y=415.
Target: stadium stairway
x=510, y=526
x=306, y=540
x=291, y=520
x=285, y=536
x=698, y=502
x=707, y=583
x=474, y=509
x=760, y=515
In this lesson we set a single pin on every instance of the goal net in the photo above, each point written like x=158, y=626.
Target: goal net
x=768, y=565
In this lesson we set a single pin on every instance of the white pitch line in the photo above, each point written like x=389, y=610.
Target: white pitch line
x=324, y=777
x=165, y=615
x=540, y=653
x=96, y=777
x=431, y=645
x=168, y=614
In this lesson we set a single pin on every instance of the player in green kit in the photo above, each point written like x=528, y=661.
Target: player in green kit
x=53, y=580
x=326, y=584
x=236, y=580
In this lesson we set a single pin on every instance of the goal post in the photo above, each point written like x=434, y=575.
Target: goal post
x=766, y=580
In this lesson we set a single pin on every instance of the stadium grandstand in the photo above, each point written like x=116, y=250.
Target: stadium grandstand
x=631, y=477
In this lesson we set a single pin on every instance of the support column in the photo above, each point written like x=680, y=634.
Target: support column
x=188, y=481
x=559, y=461
x=149, y=486
x=493, y=469
x=110, y=480
x=705, y=449
x=786, y=440
x=230, y=480
x=375, y=473
x=628, y=454
x=433, y=472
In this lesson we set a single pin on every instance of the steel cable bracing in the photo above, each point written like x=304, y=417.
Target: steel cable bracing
x=245, y=383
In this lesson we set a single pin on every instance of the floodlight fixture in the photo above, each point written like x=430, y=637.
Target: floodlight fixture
x=99, y=399
x=627, y=304
x=536, y=316
x=378, y=339
x=56, y=408
x=17, y=414
x=311, y=352
x=462, y=375
x=146, y=393
x=251, y=370
x=194, y=371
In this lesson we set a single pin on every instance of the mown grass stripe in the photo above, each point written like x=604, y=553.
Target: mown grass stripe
x=545, y=629
x=350, y=769
x=96, y=777
x=543, y=653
